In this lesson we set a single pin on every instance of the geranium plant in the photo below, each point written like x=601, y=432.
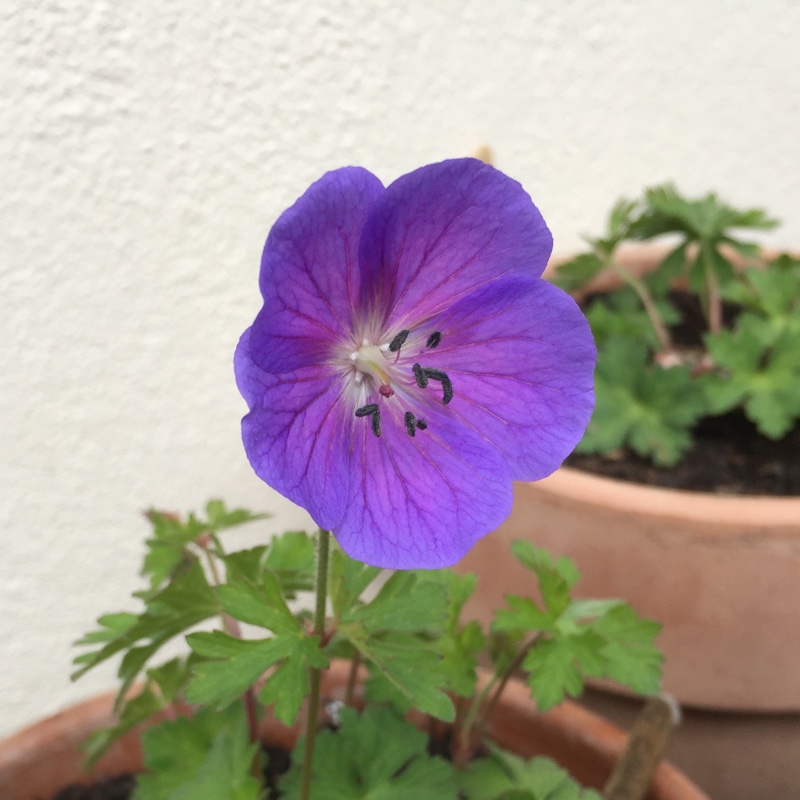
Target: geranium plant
x=407, y=365
x=712, y=333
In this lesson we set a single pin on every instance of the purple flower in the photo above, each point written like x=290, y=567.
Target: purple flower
x=408, y=362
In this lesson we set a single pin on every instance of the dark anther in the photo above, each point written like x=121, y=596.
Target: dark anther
x=372, y=411
x=412, y=424
x=398, y=341
x=419, y=376
x=435, y=375
x=434, y=339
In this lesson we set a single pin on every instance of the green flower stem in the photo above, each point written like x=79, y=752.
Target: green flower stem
x=315, y=674
x=647, y=301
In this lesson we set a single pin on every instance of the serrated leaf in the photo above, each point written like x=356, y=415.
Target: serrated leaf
x=160, y=690
x=523, y=615
x=764, y=380
x=631, y=656
x=248, y=564
x=182, y=604
x=235, y=665
x=460, y=643
x=292, y=559
x=502, y=776
x=573, y=274
x=672, y=266
x=408, y=601
x=207, y=757
x=558, y=666
x=167, y=550
x=408, y=666
x=133, y=712
x=556, y=577
x=374, y=756
x=262, y=605
x=219, y=517
x=288, y=685
x=645, y=406
x=621, y=314
x=348, y=580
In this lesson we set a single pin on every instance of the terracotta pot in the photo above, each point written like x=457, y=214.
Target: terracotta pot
x=722, y=575
x=38, y=761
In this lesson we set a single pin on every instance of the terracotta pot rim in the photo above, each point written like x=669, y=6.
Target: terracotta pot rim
x=756, y=512
x=582, y=729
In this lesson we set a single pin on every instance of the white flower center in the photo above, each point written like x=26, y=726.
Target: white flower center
x=372, y=360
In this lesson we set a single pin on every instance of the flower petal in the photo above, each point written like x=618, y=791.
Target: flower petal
x=441, y=232
x=421, y=502
x=309, y=271
x=297, y=435
x=521, y=358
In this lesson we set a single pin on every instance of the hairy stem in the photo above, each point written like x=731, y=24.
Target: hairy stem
x=315, y=674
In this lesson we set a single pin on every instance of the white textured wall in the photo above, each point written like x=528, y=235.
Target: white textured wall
x=146, y=148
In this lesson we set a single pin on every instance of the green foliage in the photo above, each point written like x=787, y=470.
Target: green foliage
x=231, y=664
x=642, y=405
x=460, y=642
x=375, y=755
x=620, y=315
x=207, y=757
x=183, y=603
x=504, y=776
x=577, y=639
x=161, y=689
x=650, y=409
x=763, y=378
x=405, y=628
x=169, y=548
x=394, y=636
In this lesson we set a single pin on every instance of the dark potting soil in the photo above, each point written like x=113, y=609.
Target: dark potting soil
x=117, y=788
x=729, y=456
x=121, y=787
x=277, y=762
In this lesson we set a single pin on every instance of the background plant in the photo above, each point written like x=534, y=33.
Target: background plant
x=404, y=629
x=651, y=391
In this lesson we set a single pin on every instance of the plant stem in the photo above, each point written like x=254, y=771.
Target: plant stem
x=714, y=310
x=647, y=301
x=481, y=709
x=315, y=674
x=515, y=664
x=232, y=628
x=352, y=679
